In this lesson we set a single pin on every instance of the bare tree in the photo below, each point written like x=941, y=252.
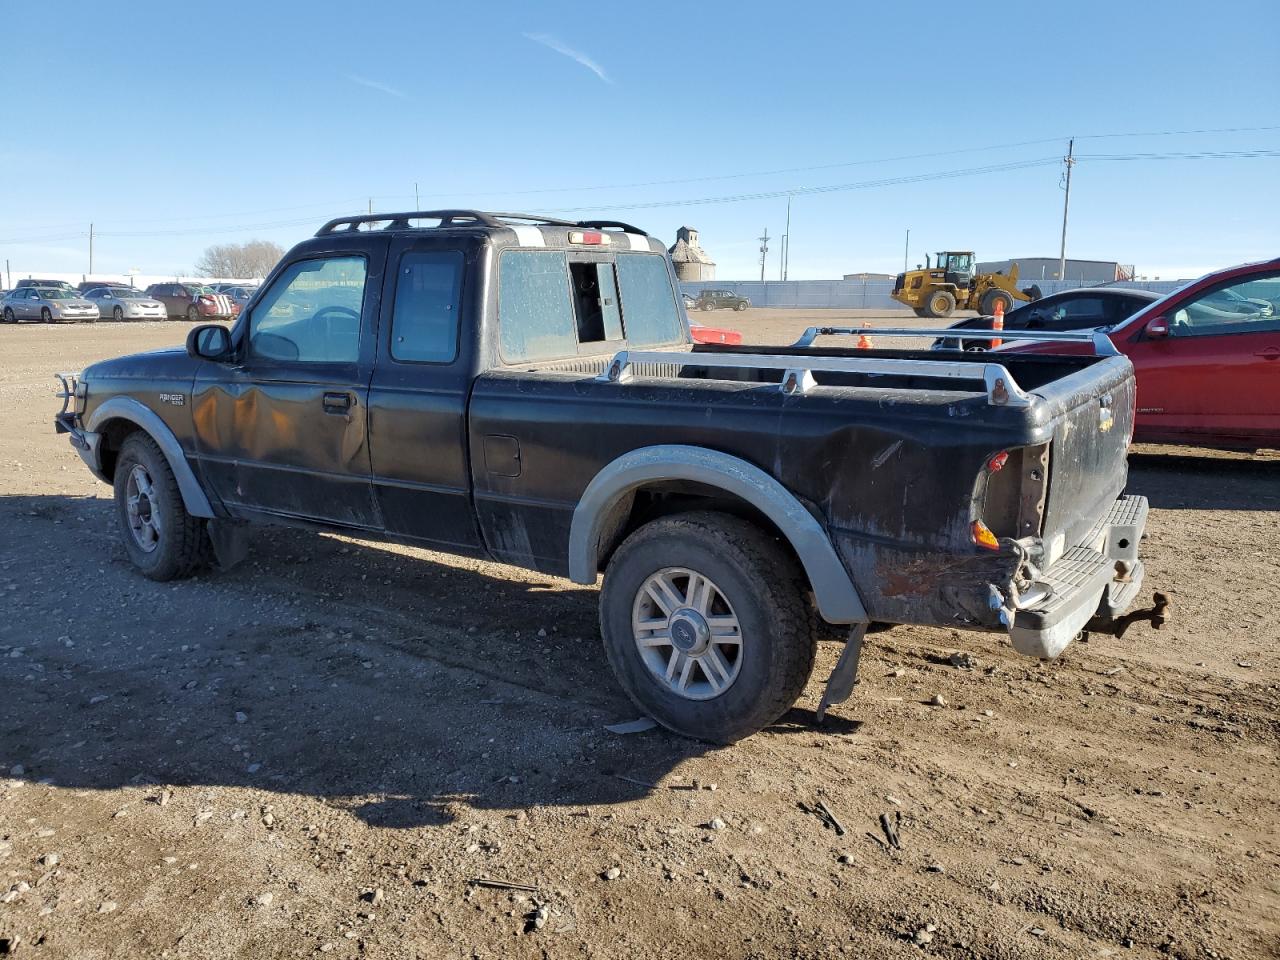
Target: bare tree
x=239, y=260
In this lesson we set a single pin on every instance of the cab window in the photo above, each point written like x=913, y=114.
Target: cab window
x=1242, y=306
x=424, y=322
x=311, y=313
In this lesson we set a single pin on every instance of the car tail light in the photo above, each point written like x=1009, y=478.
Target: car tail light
x=983, y=537
x=589, y=237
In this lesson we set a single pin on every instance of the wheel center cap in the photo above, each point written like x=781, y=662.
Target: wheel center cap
x=690, y=632
x=144, y=509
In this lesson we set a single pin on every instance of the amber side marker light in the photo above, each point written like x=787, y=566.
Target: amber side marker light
x=983, y=536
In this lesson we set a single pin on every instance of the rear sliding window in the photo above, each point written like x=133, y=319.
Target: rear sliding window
x=548, y=307
x=649, y=312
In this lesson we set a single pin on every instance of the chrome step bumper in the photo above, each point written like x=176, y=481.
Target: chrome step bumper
x=1097, y=579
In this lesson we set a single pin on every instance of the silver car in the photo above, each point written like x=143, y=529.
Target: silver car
x=125, y=303
x=47, y=304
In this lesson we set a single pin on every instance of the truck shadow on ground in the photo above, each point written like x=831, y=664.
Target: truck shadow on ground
x=404, y=693
x=1174, y=480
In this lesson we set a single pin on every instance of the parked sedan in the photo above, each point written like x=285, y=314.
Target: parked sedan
x=47, y=304
x=193, y=301
x=125, y=303
x=1085, y=309
x=1207, y=359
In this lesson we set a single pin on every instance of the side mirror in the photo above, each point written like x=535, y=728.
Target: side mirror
x=209, y=341
x=1157, y=328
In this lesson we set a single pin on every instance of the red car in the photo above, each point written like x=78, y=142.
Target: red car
x=1207, y=358
x=705, y=334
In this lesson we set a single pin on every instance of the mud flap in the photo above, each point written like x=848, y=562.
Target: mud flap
x=845, y=676
x=230, y=539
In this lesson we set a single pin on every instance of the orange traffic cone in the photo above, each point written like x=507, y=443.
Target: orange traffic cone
x=997, y=322
x=864, y=342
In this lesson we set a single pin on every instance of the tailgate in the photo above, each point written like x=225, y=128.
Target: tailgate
x=1092, y=413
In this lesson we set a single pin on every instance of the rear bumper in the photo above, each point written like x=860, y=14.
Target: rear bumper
x=1095, y=580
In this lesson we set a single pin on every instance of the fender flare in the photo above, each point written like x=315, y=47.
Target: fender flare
x=834, y=591
x=126, y=408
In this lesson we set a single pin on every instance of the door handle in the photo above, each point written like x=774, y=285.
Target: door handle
x=1269, y=353
x=338, y=402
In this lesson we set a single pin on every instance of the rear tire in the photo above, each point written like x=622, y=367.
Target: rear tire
x=10, y=316
x=740, y=609
x=162, y=540
x=940, y=304
x=989, y=300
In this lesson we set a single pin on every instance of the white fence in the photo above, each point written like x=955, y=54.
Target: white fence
x=861, y=294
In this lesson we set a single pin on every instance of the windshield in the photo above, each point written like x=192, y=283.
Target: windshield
x=124, y=293
x=49, y=293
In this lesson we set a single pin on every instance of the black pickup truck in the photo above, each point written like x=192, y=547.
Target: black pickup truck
x=525, y=389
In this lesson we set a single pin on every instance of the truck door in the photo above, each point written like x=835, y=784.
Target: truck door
x=1217, y=372
x=418, y=394
x=284, y=430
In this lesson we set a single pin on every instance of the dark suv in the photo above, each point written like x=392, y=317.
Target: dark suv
x=720, y=300
x=524, y=389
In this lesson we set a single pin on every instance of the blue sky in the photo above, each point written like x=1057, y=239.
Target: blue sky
x=174, y=126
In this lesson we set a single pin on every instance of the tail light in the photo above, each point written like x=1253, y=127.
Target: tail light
x=1009, y=495
x=592, y=238
x=983, y=537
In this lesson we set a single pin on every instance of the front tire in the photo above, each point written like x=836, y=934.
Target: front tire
x=193, y=313
x=705, y=622
x=742, y=305
x=940, y=304
x=117, y=314
x=45, y=315
x=162, y=539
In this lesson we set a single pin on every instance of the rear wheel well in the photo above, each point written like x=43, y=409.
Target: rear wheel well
x=669, y=497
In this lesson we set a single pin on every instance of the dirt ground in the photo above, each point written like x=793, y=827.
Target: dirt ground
x=317, y=751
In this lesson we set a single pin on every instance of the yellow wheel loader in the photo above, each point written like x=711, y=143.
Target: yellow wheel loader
x=953, y=283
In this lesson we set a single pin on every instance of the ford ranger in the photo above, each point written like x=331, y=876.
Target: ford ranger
x=525, y=389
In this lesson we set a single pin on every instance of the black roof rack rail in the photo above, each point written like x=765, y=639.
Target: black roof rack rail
x=456, y=218
x=605, y=224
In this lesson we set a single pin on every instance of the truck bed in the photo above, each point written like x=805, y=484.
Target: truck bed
x=888, y=462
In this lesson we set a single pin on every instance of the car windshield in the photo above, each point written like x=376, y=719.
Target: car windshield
x=125, y=293
x=49, y=293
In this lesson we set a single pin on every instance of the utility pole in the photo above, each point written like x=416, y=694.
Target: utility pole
x=91, y=248
x=371, y=204
x=906, y=251
x=417, y=204
x=764, y=250
x=1066, y=205
x=784, y=260
x=8, y=272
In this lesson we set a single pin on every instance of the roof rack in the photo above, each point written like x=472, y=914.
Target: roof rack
x=1102, y=345
x=464, y=218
